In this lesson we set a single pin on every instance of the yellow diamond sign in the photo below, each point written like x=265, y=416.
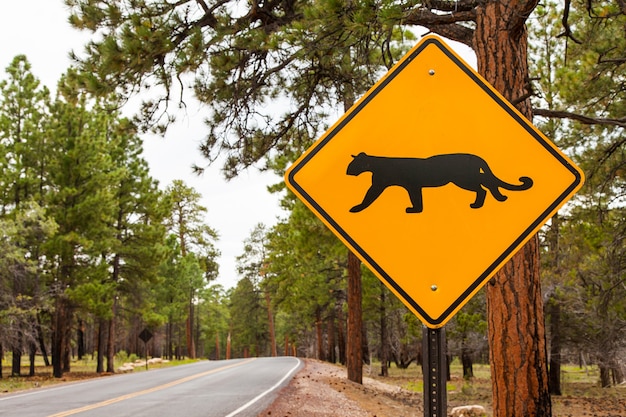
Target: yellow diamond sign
x=433, y=180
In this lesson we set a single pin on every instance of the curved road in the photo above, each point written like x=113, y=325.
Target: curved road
x=240, y=387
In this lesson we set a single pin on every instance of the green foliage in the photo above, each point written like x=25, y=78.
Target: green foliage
x=306, y=55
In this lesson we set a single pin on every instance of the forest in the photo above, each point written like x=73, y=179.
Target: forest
x=94, y=250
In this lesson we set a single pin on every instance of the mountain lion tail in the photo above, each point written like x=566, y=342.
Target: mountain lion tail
x=526, y=183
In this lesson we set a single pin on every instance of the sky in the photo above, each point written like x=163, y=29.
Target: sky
x=39, y=30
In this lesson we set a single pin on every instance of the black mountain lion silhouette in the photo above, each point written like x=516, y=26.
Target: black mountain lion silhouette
x=467, y=171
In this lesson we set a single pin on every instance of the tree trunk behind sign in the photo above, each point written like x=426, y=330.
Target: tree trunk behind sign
x=354, y=349
x=516, y=325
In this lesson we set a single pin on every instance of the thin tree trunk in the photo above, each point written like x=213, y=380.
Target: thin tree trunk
x=341, y=336
x=332, y=357
x=80, y=339
x=384, y=343
x=191, y=347
x=554, y=312
x=228, y=347
x=100, y=360
x=58, y=336
x=319, y=335
x=67, y=340
x=270, y=318
x=17, y=359
x=169, y=342
x=42, y=342
x=605, y=376
x=111, y=343
x=32, y=351
x=355, y=321
x=515, y=314
x=466, y=361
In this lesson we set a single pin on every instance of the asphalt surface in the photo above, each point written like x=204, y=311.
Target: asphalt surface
x=240, y=387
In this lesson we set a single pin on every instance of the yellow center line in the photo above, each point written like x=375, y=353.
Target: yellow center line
x=146, y=391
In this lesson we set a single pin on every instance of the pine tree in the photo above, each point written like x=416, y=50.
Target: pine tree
x=23, y=158
x=82, y=175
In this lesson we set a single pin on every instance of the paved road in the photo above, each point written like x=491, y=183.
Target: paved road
x=241, y=388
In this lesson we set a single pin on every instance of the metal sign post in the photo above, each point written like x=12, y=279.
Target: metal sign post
x=434, y=369
x=145, y=336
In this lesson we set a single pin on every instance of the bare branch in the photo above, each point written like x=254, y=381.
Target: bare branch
x=567, y=31
x=452, y=6
x=444, y=24
x=579, y=117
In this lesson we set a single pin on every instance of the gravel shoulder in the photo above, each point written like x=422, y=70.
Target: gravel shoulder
x=322, y=389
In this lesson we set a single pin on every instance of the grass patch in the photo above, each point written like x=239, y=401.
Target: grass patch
x=80, y=370
x=576, y=383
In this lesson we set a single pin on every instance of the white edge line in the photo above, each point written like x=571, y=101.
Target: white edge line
x=263, y=394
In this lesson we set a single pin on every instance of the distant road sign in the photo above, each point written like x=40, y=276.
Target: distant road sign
x=145, y=335
x=434, y=180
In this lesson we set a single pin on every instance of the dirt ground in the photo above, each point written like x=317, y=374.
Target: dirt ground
x=322, y=390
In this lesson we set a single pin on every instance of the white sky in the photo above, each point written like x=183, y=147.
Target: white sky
x=39, y=30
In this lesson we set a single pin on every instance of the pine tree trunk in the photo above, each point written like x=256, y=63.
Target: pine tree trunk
x=17, y=359
x=354, y=355
x=80, y=339
x=32, y=351
x=466, y=361
x=58, y=336
x=517, y=339
x=42, y=342
x=100, y=360
x=341, y=336
x=605, y=376
x=515, y=313
x=332, y=357
x=384, y=343
x=191, y=347
x=554, y=311
x=111, y=343
x=319, y=336
x=270, y=318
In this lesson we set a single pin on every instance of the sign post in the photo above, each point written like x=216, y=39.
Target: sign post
x=145, y=337
x=434, y=181
x=434, y=370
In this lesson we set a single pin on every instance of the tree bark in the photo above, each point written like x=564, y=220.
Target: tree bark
x=515, y=314
x=355, y=321
x=518, y=362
